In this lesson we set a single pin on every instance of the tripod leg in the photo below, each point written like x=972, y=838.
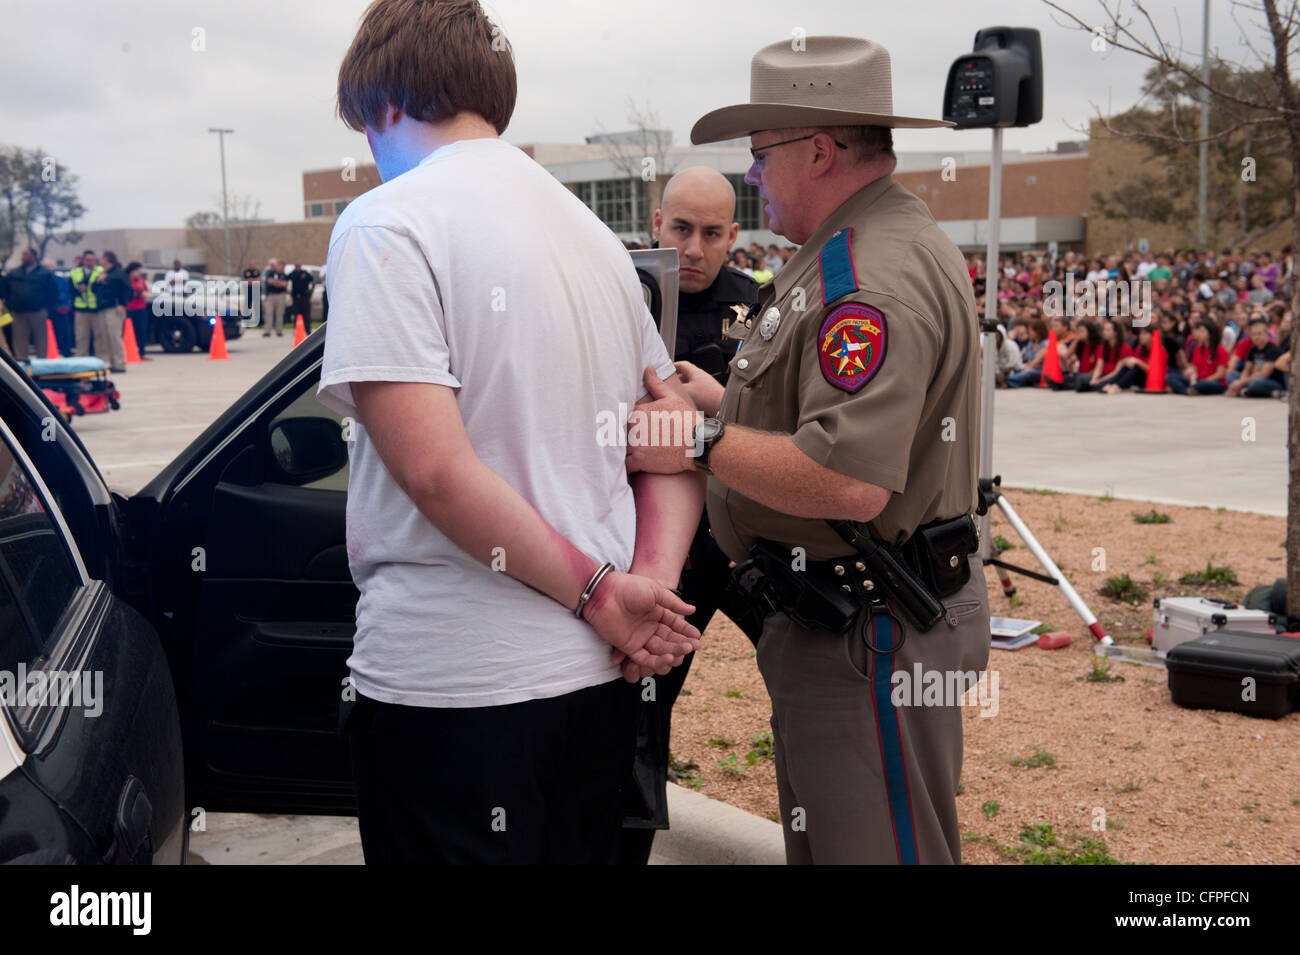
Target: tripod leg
x=1049, y=565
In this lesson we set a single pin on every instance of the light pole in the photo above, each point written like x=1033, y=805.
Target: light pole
x=225, y=214
x=1202, y=187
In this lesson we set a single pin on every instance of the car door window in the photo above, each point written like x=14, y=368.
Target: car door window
x=36, y=567
x=306, y=405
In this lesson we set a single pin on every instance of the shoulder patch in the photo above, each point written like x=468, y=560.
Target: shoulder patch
x=851, y=345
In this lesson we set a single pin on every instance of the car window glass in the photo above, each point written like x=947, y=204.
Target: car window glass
x=306, y=405
x=34, y=558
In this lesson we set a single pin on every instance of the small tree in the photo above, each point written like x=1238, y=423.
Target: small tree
x=206, y=227
x=38, y=199
x=642, y=155
x=1266, y=105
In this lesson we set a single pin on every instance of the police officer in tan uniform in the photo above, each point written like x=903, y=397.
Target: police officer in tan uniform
x=854, y=397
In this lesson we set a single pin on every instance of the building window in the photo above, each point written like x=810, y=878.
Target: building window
x=317, y=210
x=340, y=206
x=921, y=188
x=622, y=204
x=749, y=208
x=1030, y=180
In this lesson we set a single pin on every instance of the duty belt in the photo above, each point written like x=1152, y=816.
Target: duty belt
x=878, y=578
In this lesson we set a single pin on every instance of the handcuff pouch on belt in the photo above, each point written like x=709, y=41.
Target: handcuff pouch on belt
x=828, y=595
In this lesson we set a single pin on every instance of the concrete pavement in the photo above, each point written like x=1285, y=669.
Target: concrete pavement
x=704, y=832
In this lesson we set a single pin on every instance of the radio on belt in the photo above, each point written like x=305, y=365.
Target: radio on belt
x=1000, y=83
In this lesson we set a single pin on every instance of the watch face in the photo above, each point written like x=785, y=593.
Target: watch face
x=707, y=429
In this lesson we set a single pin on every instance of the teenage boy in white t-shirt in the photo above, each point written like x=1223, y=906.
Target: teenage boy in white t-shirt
x=489, y=338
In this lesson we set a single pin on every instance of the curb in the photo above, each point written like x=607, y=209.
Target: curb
x=707, y=832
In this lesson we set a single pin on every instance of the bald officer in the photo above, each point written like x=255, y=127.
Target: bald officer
x=854, y=397
x=697, y=219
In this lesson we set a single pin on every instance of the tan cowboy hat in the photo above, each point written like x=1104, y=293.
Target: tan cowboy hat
x=812, y=81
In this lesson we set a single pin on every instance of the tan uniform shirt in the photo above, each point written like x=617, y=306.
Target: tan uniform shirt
x=885, y=391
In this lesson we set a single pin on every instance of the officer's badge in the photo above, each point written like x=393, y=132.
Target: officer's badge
x=770, y=322
x=851, y=345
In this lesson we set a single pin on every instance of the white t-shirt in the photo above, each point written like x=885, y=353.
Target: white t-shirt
x=479, y=271
x=176, y=279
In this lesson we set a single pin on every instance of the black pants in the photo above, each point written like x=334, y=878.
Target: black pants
x=302, y=306
x=537, y=782
x=704, y=584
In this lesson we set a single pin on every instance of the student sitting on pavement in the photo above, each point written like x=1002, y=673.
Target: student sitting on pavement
x=1133, y=368
x=1261, y=377
x=1008, y=358
x=1083, y=355
x=1106, y=357
x=1206, y=372
x=1034, y=354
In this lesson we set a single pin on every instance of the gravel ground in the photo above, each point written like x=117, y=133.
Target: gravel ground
x=1169, y=785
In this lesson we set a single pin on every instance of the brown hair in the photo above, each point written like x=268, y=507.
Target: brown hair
x=429, y=58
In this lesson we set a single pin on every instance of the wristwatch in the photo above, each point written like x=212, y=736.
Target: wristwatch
x=707, y=433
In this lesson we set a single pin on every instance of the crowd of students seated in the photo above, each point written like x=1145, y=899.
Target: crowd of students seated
x=1224, y=321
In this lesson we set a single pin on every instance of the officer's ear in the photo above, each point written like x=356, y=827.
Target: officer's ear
x=731, y=237
x=657, y=223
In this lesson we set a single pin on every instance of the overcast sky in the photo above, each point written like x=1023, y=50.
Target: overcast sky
x=116, y=93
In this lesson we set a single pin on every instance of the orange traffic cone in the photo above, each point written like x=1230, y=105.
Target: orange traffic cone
x=299, y=331
x=1157, y=366
x=128, y=343
x=51, y=340
x=217, y=351
x=1051, y=363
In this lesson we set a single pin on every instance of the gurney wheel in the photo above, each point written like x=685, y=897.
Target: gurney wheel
x=113, y=403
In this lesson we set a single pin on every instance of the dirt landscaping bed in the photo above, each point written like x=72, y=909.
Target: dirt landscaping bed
x=1115, y=769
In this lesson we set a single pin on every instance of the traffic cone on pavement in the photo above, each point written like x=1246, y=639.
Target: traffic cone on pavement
x=51, y=340
x=217, y=350
x=1157, y=366
x=299, y=331
x=128, y=343
x=1051, y=363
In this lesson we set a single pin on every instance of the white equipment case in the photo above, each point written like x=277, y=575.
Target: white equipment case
x=1179, y=619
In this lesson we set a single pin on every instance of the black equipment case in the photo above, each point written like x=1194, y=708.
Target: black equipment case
x=1211, y=672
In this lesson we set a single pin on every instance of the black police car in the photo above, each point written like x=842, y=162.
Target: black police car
x=213, y=610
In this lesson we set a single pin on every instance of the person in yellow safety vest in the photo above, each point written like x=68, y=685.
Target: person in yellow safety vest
x=85, y=306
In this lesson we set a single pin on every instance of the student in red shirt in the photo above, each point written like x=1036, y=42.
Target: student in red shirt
x=1206, y=372
x=1107, y=358
x=1237, y=360
x=1133, y=369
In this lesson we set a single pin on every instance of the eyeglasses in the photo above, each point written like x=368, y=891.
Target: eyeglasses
x=757, y=151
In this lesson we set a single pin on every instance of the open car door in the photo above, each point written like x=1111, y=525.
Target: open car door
x=243, y=539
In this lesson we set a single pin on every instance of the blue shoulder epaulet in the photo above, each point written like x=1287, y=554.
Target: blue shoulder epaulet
x=836, y=259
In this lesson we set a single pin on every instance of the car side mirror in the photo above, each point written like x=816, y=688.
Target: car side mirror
x=307, y=449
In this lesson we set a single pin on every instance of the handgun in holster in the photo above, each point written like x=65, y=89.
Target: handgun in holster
x=828, y=595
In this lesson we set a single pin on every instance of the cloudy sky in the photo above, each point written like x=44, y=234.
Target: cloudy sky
x=116, y=91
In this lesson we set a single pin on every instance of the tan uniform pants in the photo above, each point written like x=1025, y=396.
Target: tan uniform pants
x=274, y=311
x=114, y=323
x=92, y=323
x=30, y=325
x=862, y=780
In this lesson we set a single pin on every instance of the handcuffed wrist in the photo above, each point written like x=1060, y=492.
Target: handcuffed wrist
x=590, y=589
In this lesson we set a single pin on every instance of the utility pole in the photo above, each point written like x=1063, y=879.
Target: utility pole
x=1202, y=189
x=225, y=211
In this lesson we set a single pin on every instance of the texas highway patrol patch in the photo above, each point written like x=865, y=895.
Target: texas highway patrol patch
x=851, y=345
